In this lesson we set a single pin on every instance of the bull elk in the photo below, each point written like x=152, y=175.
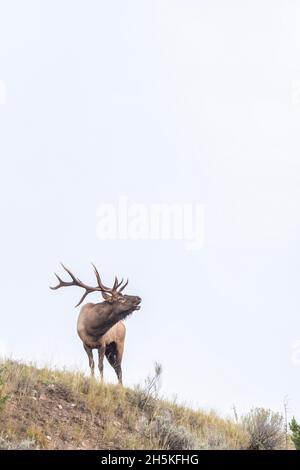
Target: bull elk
x=100, y=325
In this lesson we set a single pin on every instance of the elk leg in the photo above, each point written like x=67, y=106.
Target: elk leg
x=118, y=361
x=117, y=366
x=89, y=352
x=114, y=357
x=118, y=370
x=101, y=353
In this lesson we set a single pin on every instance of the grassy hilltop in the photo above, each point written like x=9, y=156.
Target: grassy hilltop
x=50, y=409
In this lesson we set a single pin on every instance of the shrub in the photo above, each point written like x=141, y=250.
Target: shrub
x=146, y=396
x=265, y=429
x=162, y=431
x=26, y=444
x=214, y=439
x=173, y=437
x=3, y=396
x=295, y=428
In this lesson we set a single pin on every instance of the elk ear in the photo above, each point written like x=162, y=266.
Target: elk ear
x=105, y=296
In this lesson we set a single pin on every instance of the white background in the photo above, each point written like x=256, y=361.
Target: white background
x=159, y=101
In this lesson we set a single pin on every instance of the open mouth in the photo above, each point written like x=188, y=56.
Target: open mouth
x=137, y=307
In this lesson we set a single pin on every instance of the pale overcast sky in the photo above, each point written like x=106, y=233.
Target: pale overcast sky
x=184, y=101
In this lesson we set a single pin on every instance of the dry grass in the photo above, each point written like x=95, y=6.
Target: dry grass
x=50, y=409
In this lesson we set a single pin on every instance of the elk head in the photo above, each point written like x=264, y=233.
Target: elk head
x=120, y=304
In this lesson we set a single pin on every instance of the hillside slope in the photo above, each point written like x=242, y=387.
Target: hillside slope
x=49, y=409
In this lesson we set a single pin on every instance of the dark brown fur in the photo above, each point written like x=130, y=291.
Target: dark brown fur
x=100, y=325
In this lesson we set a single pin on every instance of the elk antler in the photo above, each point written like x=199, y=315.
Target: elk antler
x=123, y=287
x=88, y=289
x=102, y=286
x=116, y=285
